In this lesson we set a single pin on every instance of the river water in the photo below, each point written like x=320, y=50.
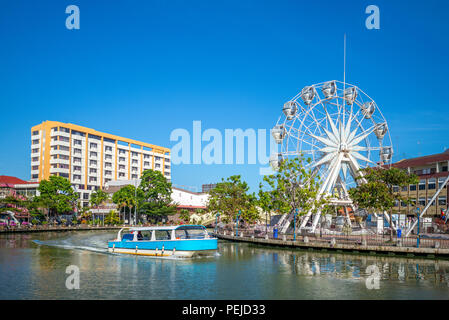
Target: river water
x=33, y=266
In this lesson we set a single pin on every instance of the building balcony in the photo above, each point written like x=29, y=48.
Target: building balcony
x=59, y=170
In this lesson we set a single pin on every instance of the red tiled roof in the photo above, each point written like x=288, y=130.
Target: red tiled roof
x=8, y=181
x=421, y=161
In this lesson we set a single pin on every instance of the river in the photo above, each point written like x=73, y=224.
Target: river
x=33, y=266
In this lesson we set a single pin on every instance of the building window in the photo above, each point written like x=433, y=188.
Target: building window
x=121, y=151
x=34, y=167
x=121, y=174
x=134, y=154
x=34, y=159
x=108, y=148
x=121, y=167
x=444, y=169
x=64, y=139
x=35, y=151
x=442, y=201
x=121, y=159
x=157, y=165
x=92, y=179
x=35, y=133
x=146, y=156
x=93, y=154
x=440, y=182
x=146, y=164
x=135, y=161
x=108, y=157
x=431, y=184
x=413, y=187
x=92, y=170
x=134, y=176
x=422, y=185
x=85, y=196
x=433, y=202
x=93, y=162
x=34, y=176
x=36, y=141
x=404, y=189
x=422, y=201
x=93, y=145
x=77, y=142
x=77, y=151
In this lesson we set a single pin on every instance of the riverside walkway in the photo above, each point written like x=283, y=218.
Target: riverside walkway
x=429, y=248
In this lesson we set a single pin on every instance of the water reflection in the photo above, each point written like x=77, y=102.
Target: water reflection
x=238, y=271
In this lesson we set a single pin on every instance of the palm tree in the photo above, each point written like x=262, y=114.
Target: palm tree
x=97, y=198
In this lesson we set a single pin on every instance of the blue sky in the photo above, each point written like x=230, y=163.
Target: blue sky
x=141, y=69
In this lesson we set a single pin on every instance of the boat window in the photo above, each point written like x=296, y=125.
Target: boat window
x=146, y=235
x=190, y=232
x=163, y=235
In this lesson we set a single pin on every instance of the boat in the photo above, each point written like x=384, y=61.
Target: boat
x=183, y=241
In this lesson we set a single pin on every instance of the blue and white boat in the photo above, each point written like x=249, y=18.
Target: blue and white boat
x=163, y=241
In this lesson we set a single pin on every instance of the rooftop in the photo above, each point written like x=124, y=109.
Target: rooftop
x=422, y=161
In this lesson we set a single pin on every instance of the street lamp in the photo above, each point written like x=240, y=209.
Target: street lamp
x=237, y=224
x=216, y=221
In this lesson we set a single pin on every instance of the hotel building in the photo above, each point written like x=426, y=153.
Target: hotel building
x=432, y=171
x=90, y=159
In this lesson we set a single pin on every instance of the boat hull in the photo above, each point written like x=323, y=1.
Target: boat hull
x=165, y=248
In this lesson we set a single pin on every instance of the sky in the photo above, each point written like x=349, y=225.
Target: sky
x=141, y=69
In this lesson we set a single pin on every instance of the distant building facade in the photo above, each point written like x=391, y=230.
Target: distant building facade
x=89, y=158
x=432, y=171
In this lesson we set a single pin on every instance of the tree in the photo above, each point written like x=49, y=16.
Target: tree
x=155, y=194
x=126, y=198
x=231, y=196
x=97, y=198
x=294, y=188
x=58, y=195
x=184, y=215
x=376, y=192
x=112, y=218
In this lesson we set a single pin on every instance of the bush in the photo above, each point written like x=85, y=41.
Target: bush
x=35, y=221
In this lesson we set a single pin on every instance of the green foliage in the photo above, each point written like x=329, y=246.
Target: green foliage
x=155, y=195
x=98, y=197
x=231, y=196
x=293, y=187
x=112, y=218
x=184, y=215
x=57, y=195
x=376, y=190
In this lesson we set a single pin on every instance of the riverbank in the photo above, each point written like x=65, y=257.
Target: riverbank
x=337, y=245
x=56, y=229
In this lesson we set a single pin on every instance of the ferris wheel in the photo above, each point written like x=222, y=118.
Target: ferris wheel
x=341, y=129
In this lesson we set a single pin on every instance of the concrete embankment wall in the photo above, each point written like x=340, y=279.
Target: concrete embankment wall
x=355, y=248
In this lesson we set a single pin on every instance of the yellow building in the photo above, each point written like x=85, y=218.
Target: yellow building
x=90, y=158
